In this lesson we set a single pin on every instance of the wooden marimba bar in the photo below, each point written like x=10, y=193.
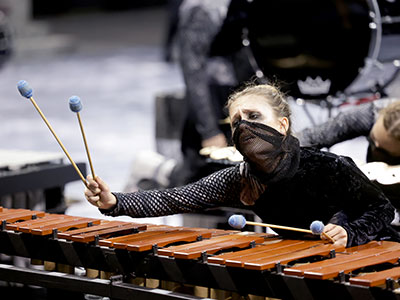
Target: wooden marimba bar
x=244, y=262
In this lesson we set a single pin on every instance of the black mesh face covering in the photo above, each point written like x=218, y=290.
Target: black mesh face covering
x=271, y=156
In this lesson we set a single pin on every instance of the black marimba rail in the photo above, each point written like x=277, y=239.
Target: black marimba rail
x=113, y=288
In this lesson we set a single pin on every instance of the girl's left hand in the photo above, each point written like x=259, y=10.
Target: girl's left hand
x=337, y=233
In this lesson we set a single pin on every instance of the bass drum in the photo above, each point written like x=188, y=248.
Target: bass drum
x=320, y=48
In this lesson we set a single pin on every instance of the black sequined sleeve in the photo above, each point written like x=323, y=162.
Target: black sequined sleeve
x=196, y=31
x=221, y=188
x=368, y=212
x=347, y=125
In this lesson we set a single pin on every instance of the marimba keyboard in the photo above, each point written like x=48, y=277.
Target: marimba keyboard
x=243, y=262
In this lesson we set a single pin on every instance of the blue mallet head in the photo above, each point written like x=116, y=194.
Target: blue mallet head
x=75, y=104
x=24, y=89
x=317, y=227
x=237, y=221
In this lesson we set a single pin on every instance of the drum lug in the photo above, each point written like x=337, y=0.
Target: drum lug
x=199, y=238
x=252, y=244
x=54, y=234
x=372, y=25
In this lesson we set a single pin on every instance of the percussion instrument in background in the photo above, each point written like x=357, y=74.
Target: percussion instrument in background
x=381, y=172
x=35, y=179
x=327, y=48
x=387, y=177
x=243, y=262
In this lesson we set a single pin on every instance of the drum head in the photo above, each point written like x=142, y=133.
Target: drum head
x=312, y=48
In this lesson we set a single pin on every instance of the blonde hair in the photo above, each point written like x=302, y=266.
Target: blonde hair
x=272, y=95
x=391, y=119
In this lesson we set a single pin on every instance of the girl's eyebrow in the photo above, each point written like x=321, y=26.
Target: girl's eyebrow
x=246, y=111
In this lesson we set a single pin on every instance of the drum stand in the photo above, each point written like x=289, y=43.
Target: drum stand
x=333, y=102
x=330, y=103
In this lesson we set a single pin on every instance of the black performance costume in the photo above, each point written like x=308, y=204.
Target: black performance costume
x=355, y=122
x=324, y=187
x=199, y=24
x=213, y=64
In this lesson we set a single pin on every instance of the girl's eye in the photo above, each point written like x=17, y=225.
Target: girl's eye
x=235, y=122
x=253, y=116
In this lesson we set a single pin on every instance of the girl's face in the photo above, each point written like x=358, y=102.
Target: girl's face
x=254, y=108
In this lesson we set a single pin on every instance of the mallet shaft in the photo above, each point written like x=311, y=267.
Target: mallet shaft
x=86, y=145
x=278, y=227
x=328, y=237
x=287, y=228
x=58, y=140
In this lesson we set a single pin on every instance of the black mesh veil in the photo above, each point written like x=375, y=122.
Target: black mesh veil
x=271, y=156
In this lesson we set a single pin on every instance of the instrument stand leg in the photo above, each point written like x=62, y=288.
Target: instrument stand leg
x=329, y=104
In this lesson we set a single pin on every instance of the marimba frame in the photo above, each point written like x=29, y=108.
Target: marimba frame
x=271, y=283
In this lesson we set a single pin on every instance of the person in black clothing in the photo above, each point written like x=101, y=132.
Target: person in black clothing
x=206, y=58
x=278, y=180
x=213, y=64
x=378, y=121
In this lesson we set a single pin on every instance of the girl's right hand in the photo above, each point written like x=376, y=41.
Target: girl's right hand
x=98, y=193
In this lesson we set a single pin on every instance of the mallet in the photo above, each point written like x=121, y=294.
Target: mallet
x=75, y=105
x=316, y=227
x=27, y=92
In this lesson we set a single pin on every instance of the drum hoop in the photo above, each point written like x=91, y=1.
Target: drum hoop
x=376, y=34
x=371, y=60
x=250, y=56
x=376, y=37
